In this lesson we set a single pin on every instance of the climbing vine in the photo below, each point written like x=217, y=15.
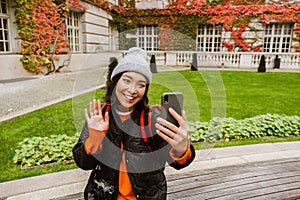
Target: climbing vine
x=36, y=22
x=185, y=15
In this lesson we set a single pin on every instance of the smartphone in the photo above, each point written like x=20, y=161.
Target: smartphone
x=173, y=100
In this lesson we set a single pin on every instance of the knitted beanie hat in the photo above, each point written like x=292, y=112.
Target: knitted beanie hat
x=136, y=60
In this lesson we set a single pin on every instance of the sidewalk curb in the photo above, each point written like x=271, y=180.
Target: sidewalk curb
x=238, y=155
x=46, y=186
x=60, y=184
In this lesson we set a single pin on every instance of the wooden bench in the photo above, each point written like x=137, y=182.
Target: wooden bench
x=270, y=180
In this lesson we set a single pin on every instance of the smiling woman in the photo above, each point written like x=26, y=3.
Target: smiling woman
x=130, y=90
x=125, y=143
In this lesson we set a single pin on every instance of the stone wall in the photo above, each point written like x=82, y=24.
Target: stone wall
x=95, y=29
x=96, y=40
x=12, y=68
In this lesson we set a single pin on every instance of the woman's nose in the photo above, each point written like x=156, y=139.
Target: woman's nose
x=132, y=88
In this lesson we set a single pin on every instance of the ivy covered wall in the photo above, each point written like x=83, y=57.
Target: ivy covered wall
x=243, y=24
x=37, y=22
x=234, y=16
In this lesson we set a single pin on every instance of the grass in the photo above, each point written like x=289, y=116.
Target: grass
x=206, y=94
x=232, y=94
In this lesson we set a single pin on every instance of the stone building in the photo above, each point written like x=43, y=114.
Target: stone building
x=95, y=33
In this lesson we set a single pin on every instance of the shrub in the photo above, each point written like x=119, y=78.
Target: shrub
x=198, y=131
x=153, y=67
x=262, y=64
x=38, y=151
x=255, y=127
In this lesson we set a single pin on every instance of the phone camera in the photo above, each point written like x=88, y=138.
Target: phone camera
x=166, y=99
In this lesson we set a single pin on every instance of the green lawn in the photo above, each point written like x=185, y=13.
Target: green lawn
x=206, y=94
x=232, y=94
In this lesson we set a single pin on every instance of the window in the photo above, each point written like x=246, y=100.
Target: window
x=209, y=38
x=73, y=31
x=278, y=38
x=148, y=38
x=4, y=24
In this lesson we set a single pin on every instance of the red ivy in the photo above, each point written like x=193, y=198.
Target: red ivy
x=228, y=45
x=77, y=5
x=226, y=15
x=36, y=22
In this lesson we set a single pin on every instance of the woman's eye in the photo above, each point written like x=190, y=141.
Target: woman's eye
x=126, y=80
x=141, y=85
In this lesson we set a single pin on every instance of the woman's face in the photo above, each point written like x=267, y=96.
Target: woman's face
x=130, y=89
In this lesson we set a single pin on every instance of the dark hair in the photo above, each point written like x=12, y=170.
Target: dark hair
x=110, y=98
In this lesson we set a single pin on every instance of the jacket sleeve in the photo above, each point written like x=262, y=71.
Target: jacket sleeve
x=81, y=158
x=178, y=165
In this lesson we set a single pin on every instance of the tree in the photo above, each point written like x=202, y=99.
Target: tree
x=153, y=64
x=262, y=64
x=194, y=65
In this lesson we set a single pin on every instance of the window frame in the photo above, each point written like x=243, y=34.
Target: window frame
x=148, y=37
x=278, y=37
x=73, y=33
x=209, y=38
x=5, y=38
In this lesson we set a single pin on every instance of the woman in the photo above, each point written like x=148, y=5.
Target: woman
x=124, y=164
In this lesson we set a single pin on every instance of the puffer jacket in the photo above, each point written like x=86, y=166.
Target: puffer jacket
x=145, y=168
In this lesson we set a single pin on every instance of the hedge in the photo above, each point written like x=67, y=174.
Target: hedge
x=255, y=127
x=38, y=151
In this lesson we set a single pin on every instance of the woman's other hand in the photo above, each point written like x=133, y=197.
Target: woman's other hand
x=177, y=137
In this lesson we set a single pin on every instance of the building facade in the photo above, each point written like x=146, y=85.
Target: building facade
x=225, y=30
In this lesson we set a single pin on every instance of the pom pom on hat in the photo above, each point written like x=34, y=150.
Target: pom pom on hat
x=136, y=60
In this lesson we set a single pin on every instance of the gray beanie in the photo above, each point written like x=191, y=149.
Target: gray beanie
x=136, y=60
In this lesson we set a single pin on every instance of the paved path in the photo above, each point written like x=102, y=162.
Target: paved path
x=20, y=96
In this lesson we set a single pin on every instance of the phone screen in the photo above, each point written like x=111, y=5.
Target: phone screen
x=173, y=100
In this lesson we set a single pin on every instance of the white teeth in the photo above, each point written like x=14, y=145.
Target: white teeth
x=129, y=97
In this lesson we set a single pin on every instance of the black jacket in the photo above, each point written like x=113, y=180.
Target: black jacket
x=145, y=168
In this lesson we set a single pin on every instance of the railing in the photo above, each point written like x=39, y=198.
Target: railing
x=226, y=59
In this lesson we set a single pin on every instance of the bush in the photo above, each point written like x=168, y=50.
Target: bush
x=38, y=151
x=256, y=127
x=153, y=67
x=262, y=64
x=198, y=131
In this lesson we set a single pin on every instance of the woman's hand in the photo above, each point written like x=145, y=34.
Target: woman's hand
x=177, y=137
x=95, y=119
x=97, y=126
